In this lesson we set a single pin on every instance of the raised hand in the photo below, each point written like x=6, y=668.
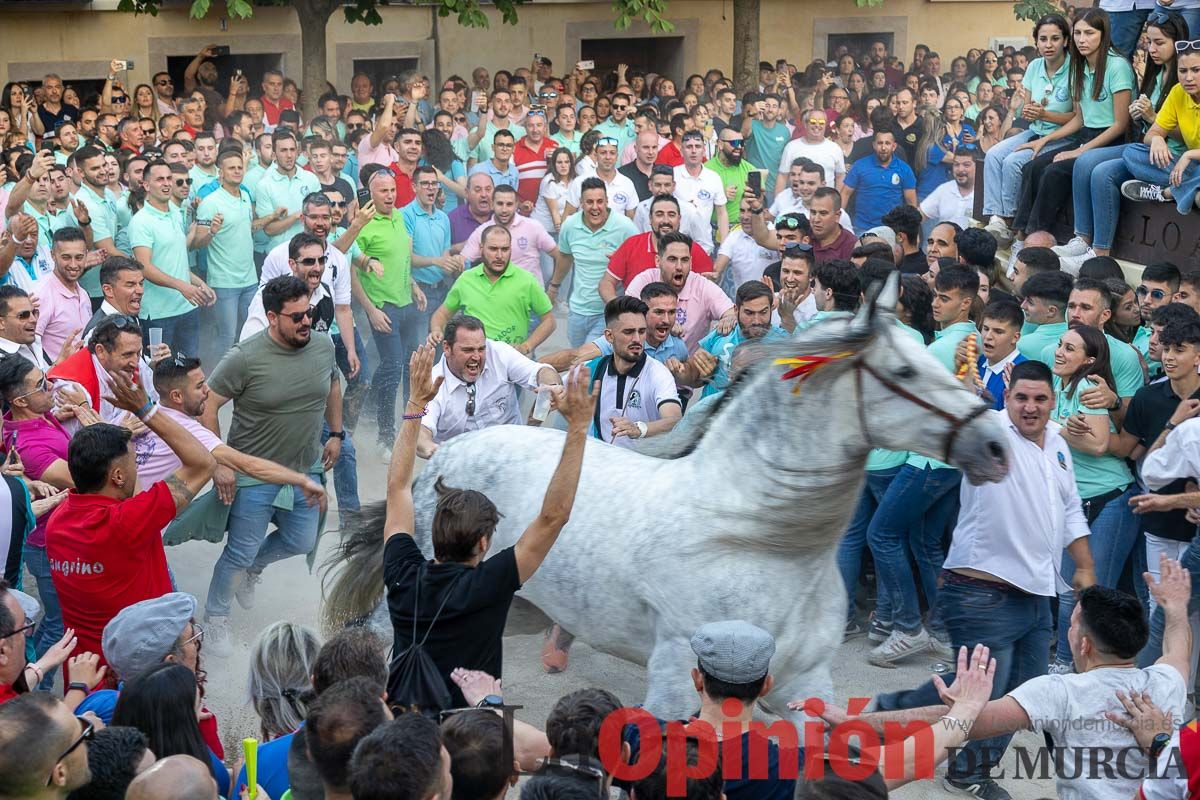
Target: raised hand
x=422, y=385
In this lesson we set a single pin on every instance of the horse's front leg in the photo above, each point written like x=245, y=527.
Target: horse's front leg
x=670, y=694
x=556, y=646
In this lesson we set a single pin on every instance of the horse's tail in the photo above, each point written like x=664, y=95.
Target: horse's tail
x=352, y=584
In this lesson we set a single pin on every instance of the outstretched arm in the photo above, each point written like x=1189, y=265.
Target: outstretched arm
x=576, y=404
x=423, y=389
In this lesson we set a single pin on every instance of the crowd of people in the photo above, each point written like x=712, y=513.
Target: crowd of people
x=170, y=250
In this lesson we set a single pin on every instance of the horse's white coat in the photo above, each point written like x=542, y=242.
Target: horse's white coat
x=743, y=526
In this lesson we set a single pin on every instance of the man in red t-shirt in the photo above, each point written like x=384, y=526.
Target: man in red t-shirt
x=408, y=158
x=105, y=542
x=639, y=252
x=670, y=154
x=272, y=98
x=529, y=155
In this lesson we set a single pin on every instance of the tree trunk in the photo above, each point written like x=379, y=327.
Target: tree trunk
x=314, y=17
x=745, y=45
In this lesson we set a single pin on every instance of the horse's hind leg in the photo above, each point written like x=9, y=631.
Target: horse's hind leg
x=556, y=645
x=670, y=694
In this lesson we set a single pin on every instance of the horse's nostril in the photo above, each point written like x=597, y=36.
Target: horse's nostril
x=996, y=451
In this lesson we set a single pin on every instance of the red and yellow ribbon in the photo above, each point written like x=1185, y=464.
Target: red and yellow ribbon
x=802, y=367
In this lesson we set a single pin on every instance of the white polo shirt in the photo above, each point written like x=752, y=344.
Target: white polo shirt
x=622, y=194
x=826, y=153
x=495, y=399
x=337, y=270
x=256, y=313
x=747, y=258
x=638, y=395
x=33, y=353
x=1017, y=529
x=690, y=223
x=1179, y=457
x=947, y=203
x=701, y=192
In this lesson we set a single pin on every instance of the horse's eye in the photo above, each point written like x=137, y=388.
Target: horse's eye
x=906, y=373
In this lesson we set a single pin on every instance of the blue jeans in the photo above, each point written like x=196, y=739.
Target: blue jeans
x=850, y=548
x=343, y=359
x=1137, y=159
x=181, y=332
x=916, y=509
x=249, y=548
x=1114, y=534
x=1096, y=193
x=345, y=472
x=435, y=295
x=1153, y=650
x=1126, y=28
x=583, y=327
x=1002, y=174
x=230, y=312
x=1016, y=627
x=395, y=348
x=50, y=629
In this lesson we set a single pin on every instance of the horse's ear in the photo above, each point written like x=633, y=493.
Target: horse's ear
x=889, y=293
x=879, y=297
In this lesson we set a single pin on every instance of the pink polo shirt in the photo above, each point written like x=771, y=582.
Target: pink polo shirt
x=383, y=154
x=64, y=311
x=40, y=442
x=529, y=241
x=701, y=303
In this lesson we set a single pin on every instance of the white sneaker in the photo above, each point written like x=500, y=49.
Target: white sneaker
x=245, y=590
x=1072, y=264
x=941, y=648
x=899, y=646
x=216, y=637
x=1076, y=247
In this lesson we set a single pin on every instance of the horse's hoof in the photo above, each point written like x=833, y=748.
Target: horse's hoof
x=554, y=658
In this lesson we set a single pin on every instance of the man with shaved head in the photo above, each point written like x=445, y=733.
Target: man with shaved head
x=174, y=778
x=43, y=748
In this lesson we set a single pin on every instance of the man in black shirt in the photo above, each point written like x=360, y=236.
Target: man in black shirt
x=52, y=110
x=645, y=150
x=473, y=594
x=907, y=125
x=905, y=221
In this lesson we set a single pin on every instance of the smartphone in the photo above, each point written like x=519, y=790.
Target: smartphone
x=204, y=223
x=364, y=197
x=754, y=182
x=222, y=50
x=237, y=72
x=477, y=99
x=125, y=65
x=537, y=57
x=585, y=65
x=12, y=443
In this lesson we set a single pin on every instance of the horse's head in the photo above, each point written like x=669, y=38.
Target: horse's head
x=910, y=402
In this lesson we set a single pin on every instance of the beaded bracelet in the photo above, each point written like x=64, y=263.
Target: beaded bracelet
x=424, y=411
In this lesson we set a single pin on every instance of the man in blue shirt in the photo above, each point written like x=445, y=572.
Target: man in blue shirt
x=433, y=267
x=712, y=363
x=501, y=167
x=881, y=182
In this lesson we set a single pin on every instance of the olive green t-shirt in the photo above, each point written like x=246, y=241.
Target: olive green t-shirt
x=279, y=395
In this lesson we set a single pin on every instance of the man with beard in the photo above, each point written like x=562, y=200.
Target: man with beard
x=479, y=376
x=201, y=75
x=284, y=383
x=111, y=349
x=499, y=294
x=529, y=238
x=710, y=364
x=701, y=303
x=65, y=307
x=793, y=275
x=481, y=138
x=619, y=124
x=731, y=168
x=954, y=200
x=662, y=182
x=830, y=241
x=640, y=251
x=638, y=397
x=280, y=192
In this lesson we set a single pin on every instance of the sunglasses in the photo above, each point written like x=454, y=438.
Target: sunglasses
x=312, y=261
x=300, y=316
x=1157, y=294
x=123, y=321
x=470, y=399
x=788, y=224
x=120, y=98
x=1183, y=47
x=1157, y=18
x=164, y=83
x=183, y=181
x=87, y=733
x=41, y=387
x=339, y=203
x=734, y=143
x=355, y=125
x=797, y=247
x=604, y=140
x=28, y=314
x=619, y=108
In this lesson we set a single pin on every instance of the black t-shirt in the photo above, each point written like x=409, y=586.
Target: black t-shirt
x=469, y=631
x=1149, y=411
x=65, y=113
x=906, y=139
x=641, y=182
x=862, y=148
x=340, y=185
x=914, y=264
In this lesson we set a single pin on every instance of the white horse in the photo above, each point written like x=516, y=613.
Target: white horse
x=737, y=516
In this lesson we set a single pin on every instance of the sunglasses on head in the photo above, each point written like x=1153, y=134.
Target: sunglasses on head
x=693, y=136
x=1157, y=294
x=792, y=248
x=604, y=140
x=1183, y=47
x=1157, y=18
x=788, y=224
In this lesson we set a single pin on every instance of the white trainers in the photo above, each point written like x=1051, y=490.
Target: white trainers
x=1072, y=264
x=216, y=637
x=1141, y=191
x=941, y=647
x=1076, y=247
x=245, y=590
x=999, y=230
x=898, y=647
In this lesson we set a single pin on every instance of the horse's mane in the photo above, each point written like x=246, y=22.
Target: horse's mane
x=824, y=338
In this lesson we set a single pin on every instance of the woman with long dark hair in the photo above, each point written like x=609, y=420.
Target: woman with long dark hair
x=163, y=703
x=987, y=68
x=452, y=173
x=915, y=306
x=1099, y=173
x=1102, y=83
x=1103, y=480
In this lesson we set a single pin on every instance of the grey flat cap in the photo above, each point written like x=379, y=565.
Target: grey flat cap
x=734, y=650
x=28, y=604
x=143, y=634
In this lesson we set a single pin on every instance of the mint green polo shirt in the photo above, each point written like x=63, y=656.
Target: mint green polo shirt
x=231, y=251
x=386, y=237
x=276, y=190
x=201, y=178
x=1094, y=475
x=103, y=213
x=879, y=459
x=1126, y=366
x=1118, y=77
x=161, y=232
x=824, y=315
x=942, y=348
x=591, y=251
x=504, y=306
x=1034, y=343
x=622, y=132
x=483, y=151
x=1053, y=91
x=124, y=217
x=571, y=143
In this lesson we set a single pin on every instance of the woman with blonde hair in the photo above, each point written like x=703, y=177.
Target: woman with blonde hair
x=281, y=667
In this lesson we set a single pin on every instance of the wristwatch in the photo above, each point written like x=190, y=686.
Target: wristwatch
x=491, y=701
x=83, y=687
x=337, y=435
x=1160, y=742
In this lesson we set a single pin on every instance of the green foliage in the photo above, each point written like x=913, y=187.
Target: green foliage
x=868, y=3
x=1033, y=10
x=652, y=11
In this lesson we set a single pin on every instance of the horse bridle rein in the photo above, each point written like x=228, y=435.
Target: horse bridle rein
x=956, y=423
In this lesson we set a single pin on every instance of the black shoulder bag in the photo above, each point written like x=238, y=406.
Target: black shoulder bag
x=414, y=682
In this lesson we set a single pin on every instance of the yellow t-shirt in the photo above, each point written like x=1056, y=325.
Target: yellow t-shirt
x=1182, y=112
